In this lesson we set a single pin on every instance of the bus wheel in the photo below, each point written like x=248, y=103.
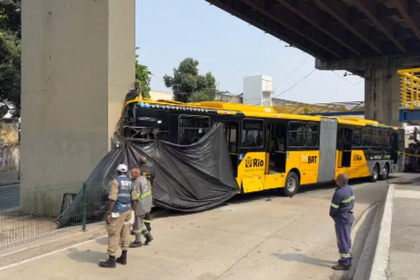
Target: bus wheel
x=292, y=184
x=385, y=172
x=375, y=173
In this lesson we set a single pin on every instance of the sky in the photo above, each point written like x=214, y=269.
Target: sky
x=168, y=31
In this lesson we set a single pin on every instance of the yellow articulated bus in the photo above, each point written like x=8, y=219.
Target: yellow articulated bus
x=270, y=150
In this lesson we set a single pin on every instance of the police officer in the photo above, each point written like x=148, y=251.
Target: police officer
x=341, y=211
x=122, y=199
x=144, y=204
x=150, y=175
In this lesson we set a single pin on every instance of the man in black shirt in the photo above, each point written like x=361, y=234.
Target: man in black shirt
x=147, y=172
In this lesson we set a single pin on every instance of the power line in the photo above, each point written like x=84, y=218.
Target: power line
x=256, y=54
x=295, y=84
x=300, y=64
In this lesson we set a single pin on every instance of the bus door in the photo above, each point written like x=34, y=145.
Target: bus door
x=231, y=131
x=344, y=147
x=276, y=148
x=394, y=147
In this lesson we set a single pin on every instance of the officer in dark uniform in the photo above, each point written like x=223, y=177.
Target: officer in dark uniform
x=341, y=211
x=147, y=172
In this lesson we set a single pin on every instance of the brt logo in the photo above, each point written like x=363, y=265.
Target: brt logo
x=249, y=162
x=357, y=158
x=309, y=159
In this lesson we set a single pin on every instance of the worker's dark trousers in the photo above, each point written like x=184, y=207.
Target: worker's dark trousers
x=147, y=221
x=343, y=232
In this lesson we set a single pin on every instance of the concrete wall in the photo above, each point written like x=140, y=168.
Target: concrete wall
x=228, y=98
x=77, y=65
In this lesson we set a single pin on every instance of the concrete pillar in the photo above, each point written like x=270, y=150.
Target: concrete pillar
x=382, y=92
x=78, y=62
x=382, y=82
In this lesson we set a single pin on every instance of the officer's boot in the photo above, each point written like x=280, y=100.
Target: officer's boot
x=137, y=242
x=148, y=237
x=110, y=263
x=341, y=267
x=123, y=259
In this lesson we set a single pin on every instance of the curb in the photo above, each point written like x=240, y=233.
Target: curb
x=381, y=259
x=9, y=183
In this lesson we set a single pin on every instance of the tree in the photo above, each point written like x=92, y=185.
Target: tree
x=188, y=85
x=143, y=76
x=10, y=72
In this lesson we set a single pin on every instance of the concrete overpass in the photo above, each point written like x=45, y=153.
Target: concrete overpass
x=371, y=38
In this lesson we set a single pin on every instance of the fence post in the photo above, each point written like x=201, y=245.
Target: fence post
x=84, y=207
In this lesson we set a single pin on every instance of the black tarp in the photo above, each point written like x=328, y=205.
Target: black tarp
x=189, y=178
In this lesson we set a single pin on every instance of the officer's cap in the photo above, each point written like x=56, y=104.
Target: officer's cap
x=122, y=168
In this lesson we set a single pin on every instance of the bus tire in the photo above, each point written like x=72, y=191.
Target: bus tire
x=292, y=184
x=385, y=172
x=375, y=173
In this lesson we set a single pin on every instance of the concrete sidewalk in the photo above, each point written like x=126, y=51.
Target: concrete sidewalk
x=404, y=257
x=276, y=238
x=397, y=255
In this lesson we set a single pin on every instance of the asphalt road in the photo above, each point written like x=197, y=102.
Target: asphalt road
x=254, y=236
x=9, y=197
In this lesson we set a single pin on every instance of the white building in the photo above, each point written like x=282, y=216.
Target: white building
x=258, y=90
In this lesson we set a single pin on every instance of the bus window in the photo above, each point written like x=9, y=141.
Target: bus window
x=192, y=128
x=386, y=140
x=252, y=133
x=313, y=129
x=231, y=130
x=297, y=134
x=367, y=137
x=376, y=139
x=357, y=137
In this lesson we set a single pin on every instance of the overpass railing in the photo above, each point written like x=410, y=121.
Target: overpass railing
x=340, y=108
x=410, y=88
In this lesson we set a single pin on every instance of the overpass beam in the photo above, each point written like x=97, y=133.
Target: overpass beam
x=338, y=10
x=370, y=9
x=78, y=62
x=403, y=8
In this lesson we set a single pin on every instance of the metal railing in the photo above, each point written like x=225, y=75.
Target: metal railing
x=410, y=88
x=28, y=214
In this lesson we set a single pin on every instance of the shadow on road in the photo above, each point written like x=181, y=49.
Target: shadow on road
x=86, y=256
x=267, y=195
x=304, y=259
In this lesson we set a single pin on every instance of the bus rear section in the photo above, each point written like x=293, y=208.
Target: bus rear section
x=366, y=149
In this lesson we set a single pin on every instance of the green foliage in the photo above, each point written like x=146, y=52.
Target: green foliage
x=143, y=76
x=188, y=86
x=10, y=16
x=10, y=33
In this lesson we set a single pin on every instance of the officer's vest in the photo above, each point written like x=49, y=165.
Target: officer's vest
x=125, y=187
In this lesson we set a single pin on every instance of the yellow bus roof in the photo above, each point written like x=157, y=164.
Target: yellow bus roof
x=256, y=111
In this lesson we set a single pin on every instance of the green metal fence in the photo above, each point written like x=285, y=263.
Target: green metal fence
x=28, y=214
